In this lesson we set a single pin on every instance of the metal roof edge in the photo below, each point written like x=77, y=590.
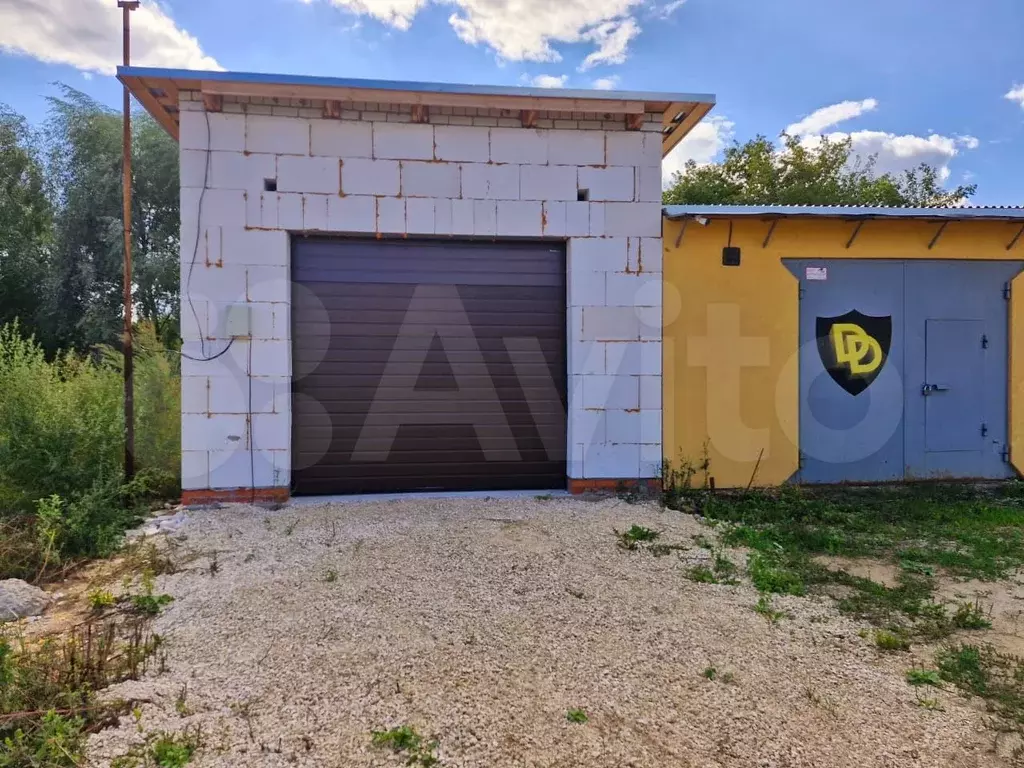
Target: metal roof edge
x=999, y=213
x=414, y=86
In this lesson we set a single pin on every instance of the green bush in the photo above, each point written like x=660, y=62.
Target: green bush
x=62, y=491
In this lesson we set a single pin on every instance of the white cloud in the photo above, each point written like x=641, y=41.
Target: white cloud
x=86, y=34
x=702, y=145
x=826, y=117
x=549, y=81
x=1016, y=94
x=896, y=154
x=669, y=8
x=523, y=30
x=606, y=83
x=968, y=142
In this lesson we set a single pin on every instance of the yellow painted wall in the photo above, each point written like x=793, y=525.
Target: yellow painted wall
x=730, y=338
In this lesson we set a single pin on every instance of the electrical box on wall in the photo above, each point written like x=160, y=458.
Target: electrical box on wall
x=730, y=256
x=237, y=321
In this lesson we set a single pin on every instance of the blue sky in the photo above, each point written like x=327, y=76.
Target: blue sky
x=913, y=80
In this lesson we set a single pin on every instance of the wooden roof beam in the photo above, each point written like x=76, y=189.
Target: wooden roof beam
x=154, y=107
x=693, y=114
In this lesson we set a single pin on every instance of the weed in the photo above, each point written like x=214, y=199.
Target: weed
x=886, y=640
x=214, y=565
x=577, y=716
x=919, y=568
x=931, y=704
x=289, y=529
x=701, y=574
x=996, y=677
x=636, y=535
x=331, y=576
x=970, y=616
x=148, y=603
x=822, y=701
x=703, y=541
x=181, y=702
x=406, y=741
x=101, y=599
x=577, y=593
x=924, y=677
x=725, y=569
x=162, y=750
x=544, y=497
x=764, y=608
x=771, y=572
x=710, y=673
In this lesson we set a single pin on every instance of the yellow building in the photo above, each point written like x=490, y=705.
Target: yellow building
x=825, y=345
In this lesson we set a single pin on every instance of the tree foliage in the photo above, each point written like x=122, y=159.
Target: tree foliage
x=61, y=232
x=827, y=173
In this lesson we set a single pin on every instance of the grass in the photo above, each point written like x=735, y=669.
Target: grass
x=924, y=677
x=405, y=740
x=886, y=640
x=970, y=616
x=162, y=750
x=721, y=571
x=636, y=535
x=764, y=608
x=577, y=716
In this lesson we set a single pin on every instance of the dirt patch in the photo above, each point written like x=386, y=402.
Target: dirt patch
x=1003, y=604
x=879, y=571
x=482, y=623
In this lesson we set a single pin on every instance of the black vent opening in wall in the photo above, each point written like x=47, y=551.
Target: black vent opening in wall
x=730, y=256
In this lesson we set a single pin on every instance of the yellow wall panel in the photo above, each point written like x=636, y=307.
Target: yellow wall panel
x=731, y=386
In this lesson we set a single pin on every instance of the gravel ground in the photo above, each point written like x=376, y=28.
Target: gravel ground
x=481, y=622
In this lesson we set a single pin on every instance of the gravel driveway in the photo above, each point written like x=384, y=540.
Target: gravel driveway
x=481, y=622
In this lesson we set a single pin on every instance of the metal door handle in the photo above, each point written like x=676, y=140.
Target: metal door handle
x=927, y=389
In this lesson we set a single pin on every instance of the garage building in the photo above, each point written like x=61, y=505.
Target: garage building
x=404, y=286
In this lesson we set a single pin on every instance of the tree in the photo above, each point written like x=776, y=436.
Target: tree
x=828, y=173
x=26, y=222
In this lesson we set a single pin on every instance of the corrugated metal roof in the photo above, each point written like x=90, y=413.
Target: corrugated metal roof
x=997, y=213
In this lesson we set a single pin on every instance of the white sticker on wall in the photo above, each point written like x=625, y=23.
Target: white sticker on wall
x=816, y=273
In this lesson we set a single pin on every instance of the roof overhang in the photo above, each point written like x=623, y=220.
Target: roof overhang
x=157, y=90
x=844, y=212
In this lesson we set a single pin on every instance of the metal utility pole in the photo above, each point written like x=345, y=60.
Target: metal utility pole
x=127, y=6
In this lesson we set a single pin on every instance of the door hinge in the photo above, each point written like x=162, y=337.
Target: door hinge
x=984, y=429
x=1006, y=291
x=984, y=341
x=800, y=292
x=800, y=459
x=1006, y=454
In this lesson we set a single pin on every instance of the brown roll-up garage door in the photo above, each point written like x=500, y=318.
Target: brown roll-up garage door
x=427, y=365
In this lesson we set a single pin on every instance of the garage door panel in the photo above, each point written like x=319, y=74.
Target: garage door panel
x=412, y=368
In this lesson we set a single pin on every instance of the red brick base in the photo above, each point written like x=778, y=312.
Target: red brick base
x=242, y=495
x=606, y=485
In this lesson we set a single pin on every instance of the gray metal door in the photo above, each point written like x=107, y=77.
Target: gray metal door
x=956, y=368
x=851, y=370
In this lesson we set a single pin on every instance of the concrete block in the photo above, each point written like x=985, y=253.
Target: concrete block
x=623, y=426
x=586, y=287
x=634, y=358
x=519, y=219
x=614, y=183
x=613, y=461
x=574, y=465
x=576, y=148
x=390, y=215
x=370, y=177
x=588, y=427
x=268, y=284
x=403, y=141
x=611, y=392
x=209, y=433
x=577, y=219
x=442, y=216
x=314, y=212
x=236, y=170
x=462, y=217
x=490, y=182
x=587, y=357
x=277, y=135
x=650, y=427
x=651, y=254
x=230, y=394
x=289, y=211
x=462, y=143
x=232, y=469
x=652, y=150
x=421, y=179
x=606, y=254
x=321, y=175
x=485, y=217
x=195, y=470
x=633, y=290
x=255, y=248
x=610, y=324
x=195, y=322
x=553, y=219
x=547, y=182
x=419, y=216
x=351, y=214
x=222, y=132
x=214, y=283
x=651, y=460
x=195, y=394
x=597, y=228
x=221, y=207
x=650, y=392
x=341, y=138
x=523, y=146
x=271, y=431
x=626, y=148
x=650, y=323
x=648, y=189
x=270, y=358
x=192, y=165
x=637, y=219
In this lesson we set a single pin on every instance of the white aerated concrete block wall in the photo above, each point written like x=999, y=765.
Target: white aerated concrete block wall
x=466, y=173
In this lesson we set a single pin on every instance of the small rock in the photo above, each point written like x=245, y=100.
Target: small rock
x=19, y=599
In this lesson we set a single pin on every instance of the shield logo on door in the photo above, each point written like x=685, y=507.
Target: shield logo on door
x=853, y=348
